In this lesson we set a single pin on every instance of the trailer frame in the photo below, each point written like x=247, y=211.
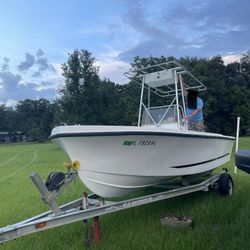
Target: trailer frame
x=90, y=206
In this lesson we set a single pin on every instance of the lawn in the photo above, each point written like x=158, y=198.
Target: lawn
x=220, y=223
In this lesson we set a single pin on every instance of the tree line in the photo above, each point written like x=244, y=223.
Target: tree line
x=85, y=98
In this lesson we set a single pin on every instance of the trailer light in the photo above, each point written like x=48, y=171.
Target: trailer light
x=40, y=225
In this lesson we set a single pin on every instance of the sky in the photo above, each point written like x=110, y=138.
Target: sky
x=37, y=36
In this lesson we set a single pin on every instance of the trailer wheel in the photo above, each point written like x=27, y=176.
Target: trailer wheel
x=225, y=185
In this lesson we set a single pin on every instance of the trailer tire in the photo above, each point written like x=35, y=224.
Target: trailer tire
x=225, y=185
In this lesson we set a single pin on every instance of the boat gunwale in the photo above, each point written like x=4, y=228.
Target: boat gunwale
x=128, y=133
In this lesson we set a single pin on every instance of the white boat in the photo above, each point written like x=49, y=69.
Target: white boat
x=118, y=160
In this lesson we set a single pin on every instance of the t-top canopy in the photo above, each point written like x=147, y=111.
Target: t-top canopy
x=162, y=78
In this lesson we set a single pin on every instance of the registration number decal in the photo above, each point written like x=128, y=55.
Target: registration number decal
x=140, y=143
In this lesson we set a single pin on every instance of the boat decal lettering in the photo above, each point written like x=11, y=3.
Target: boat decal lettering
x=136, y=202
x=147, y=143
x=129, y=143
x=140, y=143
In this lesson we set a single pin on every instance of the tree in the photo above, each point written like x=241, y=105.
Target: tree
x=245, y=65
x=86, y=99
x=8, y=119
x=78, y=98
x=129, y=103
x=108, y=97
x=36, y=118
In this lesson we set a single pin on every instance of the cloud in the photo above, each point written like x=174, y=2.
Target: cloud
x=15, y=89
x=190, y=27
x=15, y=86
x=5, y=64
x=45, y=85
x=37, y=64
x=113, y=70
x=111, y=67
x=43, y=66
x=39, y=53
x=11, y=103
x=136, y=18
x=27, y=63
x=9, y=80
x=231, y=57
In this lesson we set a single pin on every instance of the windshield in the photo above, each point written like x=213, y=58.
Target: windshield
x=160, y=115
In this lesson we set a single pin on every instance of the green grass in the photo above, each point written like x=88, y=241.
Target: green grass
x=220, y=223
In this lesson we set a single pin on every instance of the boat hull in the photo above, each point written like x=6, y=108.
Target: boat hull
x=115, y=161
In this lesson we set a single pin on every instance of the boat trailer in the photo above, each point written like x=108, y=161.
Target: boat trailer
x=93, y=206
